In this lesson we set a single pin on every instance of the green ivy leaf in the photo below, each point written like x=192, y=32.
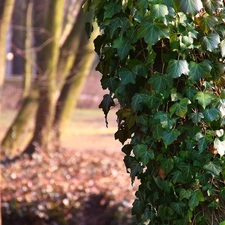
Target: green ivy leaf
x=213, y=168
x=170, y=137
x=138, y=207
x=127, y=76
x=165, y=212
x=111, y=9
x=185, y=194
x=110, y=82
x=196, y=117
x=152, y=101
x=106, y=104
x=211, y=114
x=152, y=32
x=178, y=207
x=136, y=102
x=187, y=172
x=160, y=82
x=195, y=198
x=165, y=120
x=177, y=67
x=203, y=143
x=159, y=10
x=191, y=6
x=119, y=22
x=141, y=151
x=222, y=48
x=204, y=98
x=180, y=109
x=206, y=22
x=198, y=70
x=211, y=5
x=123, y=47
x=157, y=132
x=167, y=164
x=210, y=42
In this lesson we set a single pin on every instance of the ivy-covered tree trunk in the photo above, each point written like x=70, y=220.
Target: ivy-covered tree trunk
x=6, y=9
x=163, y=61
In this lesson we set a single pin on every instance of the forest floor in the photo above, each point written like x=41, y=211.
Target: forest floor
x=82, y=183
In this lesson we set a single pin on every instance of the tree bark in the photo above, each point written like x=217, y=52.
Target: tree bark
x=6, y=9
x=47, y=61
x=73, y=85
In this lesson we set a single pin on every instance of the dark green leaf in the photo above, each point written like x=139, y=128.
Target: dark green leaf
x=152, y=32
x=198, y=70
x=165, y=212
x=106, y=104
x=187, y=172
x=213, y=168
x=212, y=5
x=138, y=207
x=170, y=137
x=210, y=42
x=167, y=164
x=122, y=135
x=110, y=82
x=185, y=194
x=118, y=22
x=165, y=120
x=111, y=9
x=178, y=207
x=123, y=47
x=152, y=101
x=196, y=117
x=160, y=82
x=217, y=70
x=191, y=6
x=195, y=198
x=157, y=132
x=177, y=67
x=141, y=151
x=203, y=143
x=136, y=102
x=211, y=114
x=126, y=76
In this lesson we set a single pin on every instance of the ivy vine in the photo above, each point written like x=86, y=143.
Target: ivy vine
x=163, y=62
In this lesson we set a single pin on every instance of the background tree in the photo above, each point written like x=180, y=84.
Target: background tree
x=163, y=61
x=58, y=47
x=6, y=9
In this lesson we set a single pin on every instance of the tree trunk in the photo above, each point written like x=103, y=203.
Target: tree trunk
x=21, y=130
x=6, y=9
x=18, y=37
x=47, y=61
x=73, y=85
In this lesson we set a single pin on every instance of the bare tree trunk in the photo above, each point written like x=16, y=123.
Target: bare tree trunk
x=73, y=85
x=21, y=130
x=47, y=60
x=6, y=9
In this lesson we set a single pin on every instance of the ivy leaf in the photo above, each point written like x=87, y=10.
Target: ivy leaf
x=111, y=9
x=136, y=102
x=110, y=82
x=152, y=32
x=204, y=98
x=157, y=132
x=165, y=120
x=118, y=22
x=160, y=82
x=138, y=207
x=198, y=70
x=210, y=42
x=159, y=10
x=123, y=47
x=205, y=22
x=211, y=114
x=203, y=143
x=187, y=172
x=195, y=198
x=152, y=101
x=178, y=207
x=220, y=146
x=170, y=137
x=141, y=151
x=180, y=109
x=106, y=104
x=212, y=5
x=191, y=6
x=222, y=48
x=196, y=117
x=177, y=67
x=167, y=164
x=217, y=70
x=213, y=168
x=185, y=194
x=126, y=76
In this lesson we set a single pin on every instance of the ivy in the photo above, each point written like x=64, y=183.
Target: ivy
x=163, y=62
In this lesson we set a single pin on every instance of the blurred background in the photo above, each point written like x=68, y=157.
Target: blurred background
x=59, y=162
